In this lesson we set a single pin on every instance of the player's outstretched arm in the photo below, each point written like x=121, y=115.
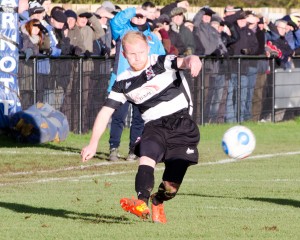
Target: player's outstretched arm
x=99, y=127
x=191, y=62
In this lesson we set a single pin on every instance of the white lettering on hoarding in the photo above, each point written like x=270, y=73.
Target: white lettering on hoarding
x=8, y=64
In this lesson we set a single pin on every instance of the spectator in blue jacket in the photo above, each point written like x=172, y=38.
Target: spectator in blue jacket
x=127, y=20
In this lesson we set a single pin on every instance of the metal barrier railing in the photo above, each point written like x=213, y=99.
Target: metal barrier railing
x=225, y=91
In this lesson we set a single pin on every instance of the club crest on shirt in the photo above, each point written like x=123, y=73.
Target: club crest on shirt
x=127, y=85
x=150, y=73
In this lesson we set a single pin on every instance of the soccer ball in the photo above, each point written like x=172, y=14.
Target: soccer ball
x=238, y=142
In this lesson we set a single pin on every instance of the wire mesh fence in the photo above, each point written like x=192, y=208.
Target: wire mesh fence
x=234, y=89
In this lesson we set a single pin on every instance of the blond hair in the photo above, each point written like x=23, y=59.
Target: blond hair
x=131, y=37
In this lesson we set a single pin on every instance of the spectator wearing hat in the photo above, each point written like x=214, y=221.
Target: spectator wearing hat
x=292, y=34
x=207, y=38
x=74, y=33
x=90, y=29
x=230, y=10
x=36, y=11
x=70, y=82
x=262, y=67
x=208, y=41
x=170, y=39
x=59, y=21
x=177, y=25
x=128, y=20
x=104, y=44
x=254, y=66
x=109, y=6
x=246, y=45
x=60, y=44
x=46, y=4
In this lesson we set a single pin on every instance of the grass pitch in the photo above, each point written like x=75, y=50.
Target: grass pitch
x=47, y=193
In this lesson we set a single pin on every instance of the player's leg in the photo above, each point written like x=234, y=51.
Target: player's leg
x=144, y=183
x=167, y=190
x=151, y=150
x=116, y=129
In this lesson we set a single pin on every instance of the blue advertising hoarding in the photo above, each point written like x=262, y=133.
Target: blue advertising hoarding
x=9, y=56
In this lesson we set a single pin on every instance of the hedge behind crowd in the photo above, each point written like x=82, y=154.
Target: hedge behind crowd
x=288, y=4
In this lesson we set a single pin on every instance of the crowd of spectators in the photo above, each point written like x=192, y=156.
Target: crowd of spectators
x=60, y=31
x=66, y=32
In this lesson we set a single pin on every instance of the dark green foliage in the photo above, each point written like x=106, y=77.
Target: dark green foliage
x=213, y=3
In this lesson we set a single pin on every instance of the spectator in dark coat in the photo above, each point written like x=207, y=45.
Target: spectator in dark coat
x=262, y=67
x=73, y=33
x=103, y=45
x=170, y=39
x=207, y=38
x=279, y=29
x=177, y=25
x=246, y=45
x=208, y=41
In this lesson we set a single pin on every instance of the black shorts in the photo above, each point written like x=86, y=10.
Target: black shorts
x=170, y=138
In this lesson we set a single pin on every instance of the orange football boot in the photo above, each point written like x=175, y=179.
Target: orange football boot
x=158, y=213
x=136, y=207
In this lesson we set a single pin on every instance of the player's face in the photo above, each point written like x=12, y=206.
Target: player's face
x=137, y=54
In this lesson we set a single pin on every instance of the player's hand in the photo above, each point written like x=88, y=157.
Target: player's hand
x=87, y=153
x=194, y=64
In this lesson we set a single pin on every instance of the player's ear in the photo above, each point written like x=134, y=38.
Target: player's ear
x=124, y=54
x=148, y=49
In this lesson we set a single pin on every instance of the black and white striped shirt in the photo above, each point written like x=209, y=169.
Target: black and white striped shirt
x=159, y=90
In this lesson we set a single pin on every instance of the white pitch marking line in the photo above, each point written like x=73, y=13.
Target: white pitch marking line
x=22, y=152
x=81, y=167
x=223, y=161
x=245, y=209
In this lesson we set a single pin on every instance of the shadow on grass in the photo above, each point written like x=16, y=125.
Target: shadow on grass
x=88, y=217
x=279, y=201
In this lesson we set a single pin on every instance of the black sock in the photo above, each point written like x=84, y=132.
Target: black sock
x=144, y=182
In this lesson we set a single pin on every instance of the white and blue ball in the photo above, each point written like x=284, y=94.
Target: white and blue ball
x=238, y=142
